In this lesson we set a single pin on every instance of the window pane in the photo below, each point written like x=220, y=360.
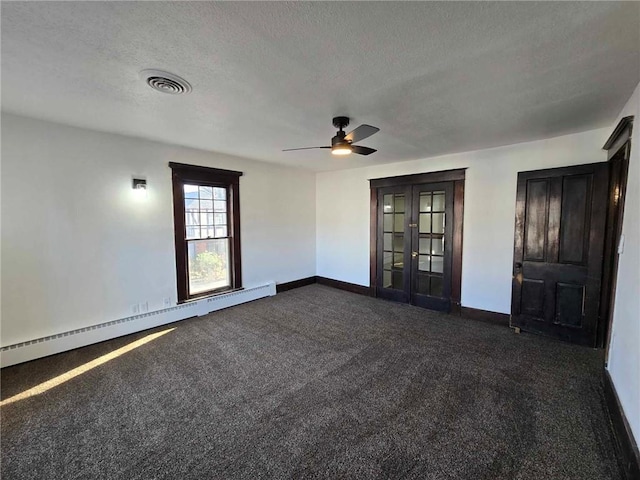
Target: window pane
x=437, y=246
x=206, y=218
x=386, y=242
x=398, y=243
x=423, y=245
x=208, y=265
x=398, y=260
x=193, y=232
x=206, y=192
x=388, y=222
x=425, y=202
x=423, y=284
x=388, y=206
x=399, y=205
x=437, y=264
x=220, y=218
x=190, y=191
x=425, y=223
x=206, y=205
x=386, y=260
x=438, y=223
x=386, y=279
x=397, y=279
x=438, y=202
x=399, y=222
x=436, y=286
x=219, y=193
x=191, y=218
x=219, y=206
x=423, y=263
x=191, y=205
x=221, y=232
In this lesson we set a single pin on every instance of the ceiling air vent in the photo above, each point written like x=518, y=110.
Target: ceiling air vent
x=165, y=82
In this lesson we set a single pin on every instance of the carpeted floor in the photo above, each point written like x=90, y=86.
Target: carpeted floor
x=315, y=383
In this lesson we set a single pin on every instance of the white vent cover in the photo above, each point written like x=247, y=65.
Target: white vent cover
x=165, y=82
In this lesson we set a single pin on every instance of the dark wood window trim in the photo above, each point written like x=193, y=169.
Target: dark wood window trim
x=230, y=179
x=457, y=176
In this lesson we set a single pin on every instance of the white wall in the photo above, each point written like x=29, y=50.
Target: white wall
x=342, y=214
x=624, y=350
x=78, y=249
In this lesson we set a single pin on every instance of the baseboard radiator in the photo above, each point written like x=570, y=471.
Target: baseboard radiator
x=81, y=337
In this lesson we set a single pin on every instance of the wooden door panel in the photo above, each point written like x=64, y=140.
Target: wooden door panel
x=558, y=251
x=574, y=238
x=536, y=220
x=569, y=304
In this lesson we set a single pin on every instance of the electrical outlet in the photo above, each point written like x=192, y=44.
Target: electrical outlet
x=144, y=307
x=167, y=302
x=135, y=309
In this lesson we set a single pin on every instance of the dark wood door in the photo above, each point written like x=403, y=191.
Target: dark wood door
x=558, y=254
x=414, y=244
x=431, y=235
x=394, y=243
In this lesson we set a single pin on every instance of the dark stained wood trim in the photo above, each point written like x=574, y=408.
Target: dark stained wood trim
x=303, y=282
x=349, y=287
x=179, y=241
x=619, y=170
x=456, y=267
x=485, y=316
x=627, y=446
x=621, y=134
x=373, y=241
x=193, y=171
x=418, y=178
x=181, y=174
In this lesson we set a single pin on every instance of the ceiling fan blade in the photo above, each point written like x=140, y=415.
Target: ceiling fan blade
x=362, y=150
x=303, y=148
x=360, y=133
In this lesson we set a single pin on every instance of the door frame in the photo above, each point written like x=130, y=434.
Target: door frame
x=457, y=176
x=618, y=147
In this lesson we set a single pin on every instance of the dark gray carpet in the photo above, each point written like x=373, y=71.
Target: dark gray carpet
x=315, y=383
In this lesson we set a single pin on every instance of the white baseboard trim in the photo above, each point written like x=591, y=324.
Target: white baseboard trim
x=81, y=337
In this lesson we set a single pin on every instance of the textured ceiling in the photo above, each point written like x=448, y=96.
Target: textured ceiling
x=436, y=77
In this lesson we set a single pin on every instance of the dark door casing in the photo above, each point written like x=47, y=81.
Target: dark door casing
x=558, y=251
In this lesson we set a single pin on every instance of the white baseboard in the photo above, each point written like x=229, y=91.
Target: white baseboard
x=61, y=342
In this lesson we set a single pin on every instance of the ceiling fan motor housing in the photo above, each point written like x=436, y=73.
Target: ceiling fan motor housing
x=339, y=139
x=340, y=122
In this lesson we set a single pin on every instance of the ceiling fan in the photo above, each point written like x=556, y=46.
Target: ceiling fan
x=342, y=143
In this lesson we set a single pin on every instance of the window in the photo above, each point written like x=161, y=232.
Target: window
x=206, y=211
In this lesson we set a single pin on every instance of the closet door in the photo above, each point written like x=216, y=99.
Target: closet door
x=431, y=245
x=394, y=244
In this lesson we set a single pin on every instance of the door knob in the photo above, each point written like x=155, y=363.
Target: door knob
x=518, y=266
x=414, y=254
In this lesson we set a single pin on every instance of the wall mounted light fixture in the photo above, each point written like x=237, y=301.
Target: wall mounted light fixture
x=139, y=184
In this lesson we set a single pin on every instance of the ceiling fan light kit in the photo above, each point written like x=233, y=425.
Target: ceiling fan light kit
x=342, y=143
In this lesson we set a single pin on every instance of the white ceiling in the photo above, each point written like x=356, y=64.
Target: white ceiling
x=436, y=77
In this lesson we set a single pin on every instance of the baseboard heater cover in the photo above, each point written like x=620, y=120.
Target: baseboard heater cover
x=81, y=337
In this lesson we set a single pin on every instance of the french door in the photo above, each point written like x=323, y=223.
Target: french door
x=414, y=244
